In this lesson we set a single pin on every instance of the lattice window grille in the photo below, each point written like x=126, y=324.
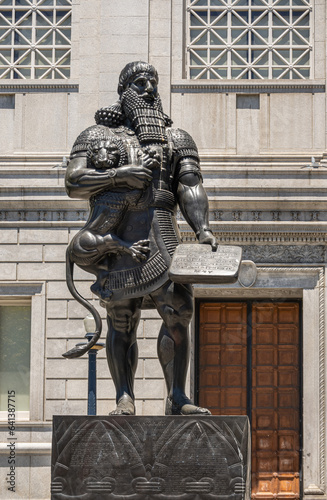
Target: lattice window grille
x=35, y=39
x=249, y=39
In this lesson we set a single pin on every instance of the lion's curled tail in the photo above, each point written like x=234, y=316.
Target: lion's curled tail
x=79, y=350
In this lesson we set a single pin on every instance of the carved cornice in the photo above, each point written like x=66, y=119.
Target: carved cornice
x=263, y=239
x=293, y=215
x=43, y=215
x=18, y=88
x=196, y=86
x=286, y=254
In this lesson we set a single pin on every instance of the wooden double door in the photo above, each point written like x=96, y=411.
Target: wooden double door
x=249, y=364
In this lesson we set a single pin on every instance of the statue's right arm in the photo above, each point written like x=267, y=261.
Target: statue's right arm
x=82, y=182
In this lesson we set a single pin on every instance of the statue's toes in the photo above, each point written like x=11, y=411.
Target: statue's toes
x=190, y=409
x=125, y=406
x=118, y=411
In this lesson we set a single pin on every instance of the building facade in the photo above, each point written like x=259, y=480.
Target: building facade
x=247, y=79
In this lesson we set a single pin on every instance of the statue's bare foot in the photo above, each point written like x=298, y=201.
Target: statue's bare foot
x=188, y=408
x=125, y=406
x=98, y=290
x=191, y=409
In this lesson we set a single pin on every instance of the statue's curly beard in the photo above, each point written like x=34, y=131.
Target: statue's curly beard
x=146, y=116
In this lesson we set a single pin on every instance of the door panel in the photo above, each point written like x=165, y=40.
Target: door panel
x=275, y=400
x=223, y=376
x=272, y=353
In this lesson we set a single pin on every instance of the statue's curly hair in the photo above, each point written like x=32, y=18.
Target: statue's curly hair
x=132, y=69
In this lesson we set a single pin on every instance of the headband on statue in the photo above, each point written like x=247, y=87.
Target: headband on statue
x=131, y=70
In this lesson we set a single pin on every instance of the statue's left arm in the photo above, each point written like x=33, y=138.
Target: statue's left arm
x=191, y=196
x=193, y=202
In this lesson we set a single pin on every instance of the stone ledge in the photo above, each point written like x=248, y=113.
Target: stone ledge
x=34, y=86
x=26, y=448
x=248, y=87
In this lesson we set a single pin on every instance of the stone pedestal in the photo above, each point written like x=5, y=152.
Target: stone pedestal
x=170, y=457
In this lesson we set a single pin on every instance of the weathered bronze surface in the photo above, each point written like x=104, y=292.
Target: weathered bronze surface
x=163, y=458
x=135, y=169
x=198, y=264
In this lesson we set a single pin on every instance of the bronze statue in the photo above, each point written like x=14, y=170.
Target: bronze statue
x=134, y=169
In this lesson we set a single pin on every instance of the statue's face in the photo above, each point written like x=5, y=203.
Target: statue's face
x=145, y=85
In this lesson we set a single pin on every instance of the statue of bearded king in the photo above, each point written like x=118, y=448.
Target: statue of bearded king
x=135, y=170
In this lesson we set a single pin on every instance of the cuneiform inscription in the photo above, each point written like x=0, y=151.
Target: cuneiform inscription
x=197, y=262
x=207, y=263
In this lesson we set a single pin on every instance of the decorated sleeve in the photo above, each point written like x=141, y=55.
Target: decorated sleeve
x=185, y=153
x=87, y=138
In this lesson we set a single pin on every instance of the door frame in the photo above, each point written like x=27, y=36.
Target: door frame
x=249, y=304
x=283, y=282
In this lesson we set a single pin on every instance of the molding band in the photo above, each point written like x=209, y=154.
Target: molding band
x=26, y=448
x=223, y=88
x=16, y=88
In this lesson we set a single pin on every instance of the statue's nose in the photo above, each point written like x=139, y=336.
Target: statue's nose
x=149, y=87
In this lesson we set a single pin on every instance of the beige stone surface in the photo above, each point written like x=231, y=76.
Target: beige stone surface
x=56, y=347
x=59, y=290
x=8, y=236
x=147, y=348
x=291, y=122
x=55, y=389
x=40, y=477
x=35, y=235
x=152, y=407
x=40, y=271
x=21, y=253
x=22, y=479
x=149, y=389
x=60, y=407
x=151, y=328
x=54, y=134
x=203, y=116
x=152, y=369
x=7, y=127
x=57, y=328
x=8, y=271
x=57, y=309
x=54, y=253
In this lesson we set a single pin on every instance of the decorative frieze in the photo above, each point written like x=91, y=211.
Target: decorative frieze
x=285, y=254
x=295, y=216
x=236, y=216
x=43, y=215
x=266, y=215
x=275, y=216
x=256, y=215
x=286, y=240
x=215, y=215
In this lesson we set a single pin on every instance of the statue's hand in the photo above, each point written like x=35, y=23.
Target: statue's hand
x=133, y=177
x=138, y=250
x=206, y=237
x=151, y=159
